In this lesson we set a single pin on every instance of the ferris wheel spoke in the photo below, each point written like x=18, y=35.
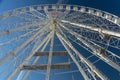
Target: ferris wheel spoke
x=39, y=14
x=7, y=67
x=30, y=55
x=37, y=58
x=21, y=28
x=16, y=60
x=32, y=15
x=88, y=63
x=77, y=64
x=71, y=33
x=105, y=56
x=73, y=17
x=91, y=35
x=15, y=23
x=94, y=71
x=93, y=68
x=50, y=57
x=19, y=58
x=24, y=13
x=94, y=29
x=35, y=14
x=47, y=14
x=35, y=41
x=112, y=57
x=23, y=17
x=18, y=37
x=84, y=66
x=98, y=51
x=21, y=46
x=88, y=20
x=110, y=41
x=65, y=13
x=105, y=40
x=92, y=21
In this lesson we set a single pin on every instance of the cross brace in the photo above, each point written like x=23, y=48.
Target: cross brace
x=44, y=66
x=61, y=53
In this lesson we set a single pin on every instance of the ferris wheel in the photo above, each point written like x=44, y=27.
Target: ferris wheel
x=51, y=40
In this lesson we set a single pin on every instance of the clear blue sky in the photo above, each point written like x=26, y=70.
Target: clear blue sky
x=112, y=6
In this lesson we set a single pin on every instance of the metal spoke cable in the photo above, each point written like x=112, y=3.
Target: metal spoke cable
x=15, y=23
x=77, y=64
x=87, y=62
x=28, y=72
x=50, y=54
x=21, y=46
x=41, y=36
x=81, y=70
x=30, y=55
x=94, y=29
x=97, y=37
x=100, y=40
x=18, y=38
x=47, y=14
x=85, y=48
x=27, y=19
x=78, y=36
x=16, y=58
x=92, y=46
x=95, y=70
x=38, y=14
x=41, y=14
x=64, y=14
x=28, y=16
x=37, y=58
x=21, y=28
x=89, y=73
x=27, y=48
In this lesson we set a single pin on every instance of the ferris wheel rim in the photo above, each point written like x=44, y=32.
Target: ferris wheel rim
x=92, y=11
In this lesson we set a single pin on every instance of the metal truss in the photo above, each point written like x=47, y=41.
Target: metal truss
x=85, y=62
x=97, y=50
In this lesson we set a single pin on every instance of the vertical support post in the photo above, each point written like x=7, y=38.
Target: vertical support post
x=50, y=57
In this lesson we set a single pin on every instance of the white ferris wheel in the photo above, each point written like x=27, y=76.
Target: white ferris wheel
x=32, y=38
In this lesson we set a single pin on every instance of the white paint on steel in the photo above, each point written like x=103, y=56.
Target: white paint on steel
x=113, y=33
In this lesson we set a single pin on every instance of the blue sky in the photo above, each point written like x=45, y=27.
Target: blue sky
x=112, y=6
